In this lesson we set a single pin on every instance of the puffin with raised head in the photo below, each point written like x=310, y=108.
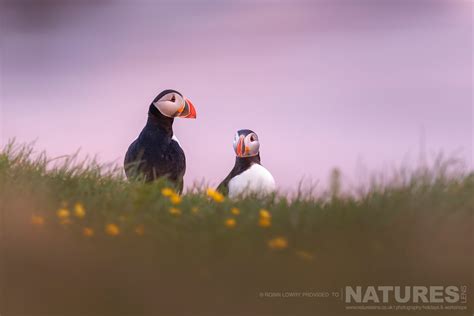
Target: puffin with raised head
x=156, y=152
x=248, y=175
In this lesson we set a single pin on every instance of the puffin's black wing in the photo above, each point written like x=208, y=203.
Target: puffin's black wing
x=176, y=162
x=132, y=160
x=154, y=158
x=223, y=187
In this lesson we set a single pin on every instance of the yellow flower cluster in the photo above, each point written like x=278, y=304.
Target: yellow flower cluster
x=79, y=210
x=172, y=195
x=112, y=229
x=230, y=223
x=175, y=199
x=235, y=211
x=175, y=211
x=167, y=192
x=278, y=243
x=63, y=213
x=216, y=196
x=265, y=218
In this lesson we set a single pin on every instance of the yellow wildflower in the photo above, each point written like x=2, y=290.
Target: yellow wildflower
x=194, y=210
x=63, y=213
x=175, y=198
x=88, y=232
x=112, y=229
x=216, y=196
x=265, y=218
x=140, y=230
x=264, y=214
x=175, y=211
x=265, y=222
x=79, y=210
x=304, y=255
x=167, y=192
x=37, y=220
x=235, y=211
x=230, y=223
x=278, y=243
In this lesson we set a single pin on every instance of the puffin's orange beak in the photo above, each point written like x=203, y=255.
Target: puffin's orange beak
x=188, y=111
x=240, y=146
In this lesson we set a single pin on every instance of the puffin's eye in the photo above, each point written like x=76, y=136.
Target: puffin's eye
x=252, y=138
x=173, y=98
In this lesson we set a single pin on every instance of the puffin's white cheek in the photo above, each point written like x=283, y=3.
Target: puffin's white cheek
x=167, y=108
x=251, y=147
x=254, y=148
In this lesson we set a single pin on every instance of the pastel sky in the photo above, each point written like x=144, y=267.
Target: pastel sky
x=323, y=83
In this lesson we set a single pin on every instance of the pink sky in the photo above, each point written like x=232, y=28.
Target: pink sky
x=324, y=84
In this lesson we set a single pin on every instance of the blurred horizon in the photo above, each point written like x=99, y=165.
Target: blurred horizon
x=347, y=84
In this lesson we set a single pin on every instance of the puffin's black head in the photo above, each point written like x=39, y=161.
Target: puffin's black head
x=246, y=143
x=171, y=103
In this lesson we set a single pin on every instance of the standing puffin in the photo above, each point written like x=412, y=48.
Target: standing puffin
x=248, y=175
x=156, y=152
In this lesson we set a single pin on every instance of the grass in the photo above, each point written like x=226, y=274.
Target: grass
x=79, y=239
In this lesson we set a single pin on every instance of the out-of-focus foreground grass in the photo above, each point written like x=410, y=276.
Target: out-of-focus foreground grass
x=79, y=240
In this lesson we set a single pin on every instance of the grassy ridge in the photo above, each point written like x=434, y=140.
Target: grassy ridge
x=77, y=238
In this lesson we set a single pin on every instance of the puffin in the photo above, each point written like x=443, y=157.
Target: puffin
x=157, y=153
x=248, y=175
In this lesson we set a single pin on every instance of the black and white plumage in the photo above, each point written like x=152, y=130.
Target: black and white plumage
x=156, y=152
x=248, y=175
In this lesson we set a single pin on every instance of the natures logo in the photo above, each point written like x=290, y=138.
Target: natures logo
x=405, y=294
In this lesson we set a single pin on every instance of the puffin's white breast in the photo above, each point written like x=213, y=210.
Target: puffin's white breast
x=255, y=179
